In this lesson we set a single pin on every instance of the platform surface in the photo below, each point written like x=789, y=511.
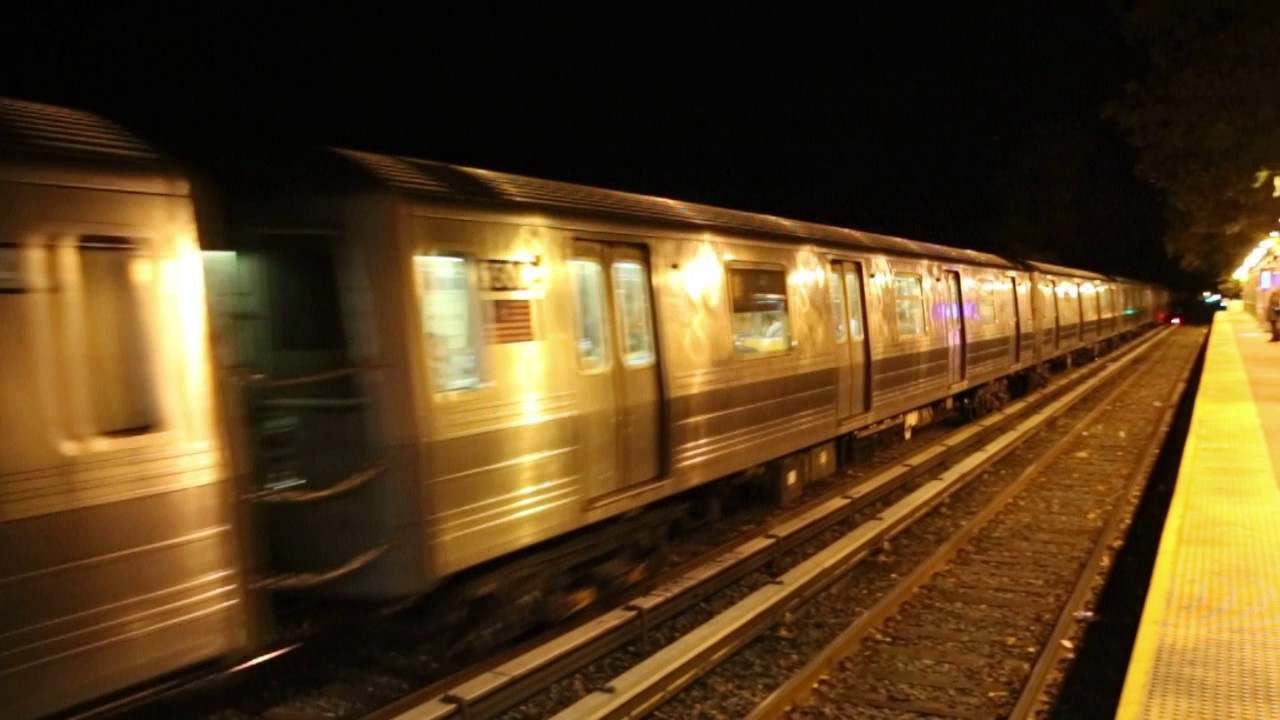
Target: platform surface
x=1208, y=645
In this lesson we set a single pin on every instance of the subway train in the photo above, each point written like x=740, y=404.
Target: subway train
x=370, y=378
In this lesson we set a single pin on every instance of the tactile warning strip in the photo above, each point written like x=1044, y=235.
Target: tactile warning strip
x=1209, y=642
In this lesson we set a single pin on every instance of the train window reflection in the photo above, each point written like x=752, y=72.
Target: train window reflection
x=986, y=302
x=631, y=294
x=115, y=336
x=588, y=289
x=837, y=306
x=909, y=304
x=448, y=322
x=853, y=285
x=760, y=323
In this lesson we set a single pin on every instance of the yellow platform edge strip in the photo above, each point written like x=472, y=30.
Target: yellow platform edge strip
x=1223, y=370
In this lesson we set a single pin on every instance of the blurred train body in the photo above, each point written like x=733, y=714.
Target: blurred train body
x=424, y=371
x=119, y=562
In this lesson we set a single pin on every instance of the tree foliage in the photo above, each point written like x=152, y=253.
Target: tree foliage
x=1065, y=195
x=1206, y=122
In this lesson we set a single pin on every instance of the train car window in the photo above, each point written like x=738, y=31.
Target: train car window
x=588, y=289
x=303, y=289
x=909, y=303
x=986, y=302
x=448, y=321
x=853, y=286
x=837, y=306
x=1089, y=301
x=631, y=295
x=1046, y=294
x=116, y=342
x=760, y=323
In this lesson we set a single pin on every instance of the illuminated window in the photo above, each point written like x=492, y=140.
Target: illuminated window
x=448, y=322
x=760, y=323
x=986, y=302
x=908, y=295
x=1089, y=302
x=837, y=307
x=853, y=286
x=631, y=295
x=116, y=343
x=588, y=289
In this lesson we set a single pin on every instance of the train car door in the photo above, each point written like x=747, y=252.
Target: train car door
x=851, y=337
x=618, y=365
x=1017, y=321
x=955, y=329
x=1057, y=315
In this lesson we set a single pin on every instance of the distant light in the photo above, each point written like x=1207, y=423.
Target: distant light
x=1204, y=294
x=1274, y=233
x=1176, y=321
x=1250, y=262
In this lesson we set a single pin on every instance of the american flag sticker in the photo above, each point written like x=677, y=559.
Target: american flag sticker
x=509, y=321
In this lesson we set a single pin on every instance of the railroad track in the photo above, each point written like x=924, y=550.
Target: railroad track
x=763, y=561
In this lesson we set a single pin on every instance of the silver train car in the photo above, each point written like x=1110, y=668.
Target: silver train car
x=527, y=358
x=377, y=377
x=119, y=558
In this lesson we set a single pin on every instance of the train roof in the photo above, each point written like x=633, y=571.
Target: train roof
x=1130, y=281
x=1063, y=270
x=435, y=180
x=36, y=134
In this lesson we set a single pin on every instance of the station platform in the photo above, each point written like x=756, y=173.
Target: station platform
x=1208, y=645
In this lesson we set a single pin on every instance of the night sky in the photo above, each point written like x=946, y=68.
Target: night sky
x=969, y=124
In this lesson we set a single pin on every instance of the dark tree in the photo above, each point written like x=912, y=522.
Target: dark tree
x=1206, y=123
x=1066, y=195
